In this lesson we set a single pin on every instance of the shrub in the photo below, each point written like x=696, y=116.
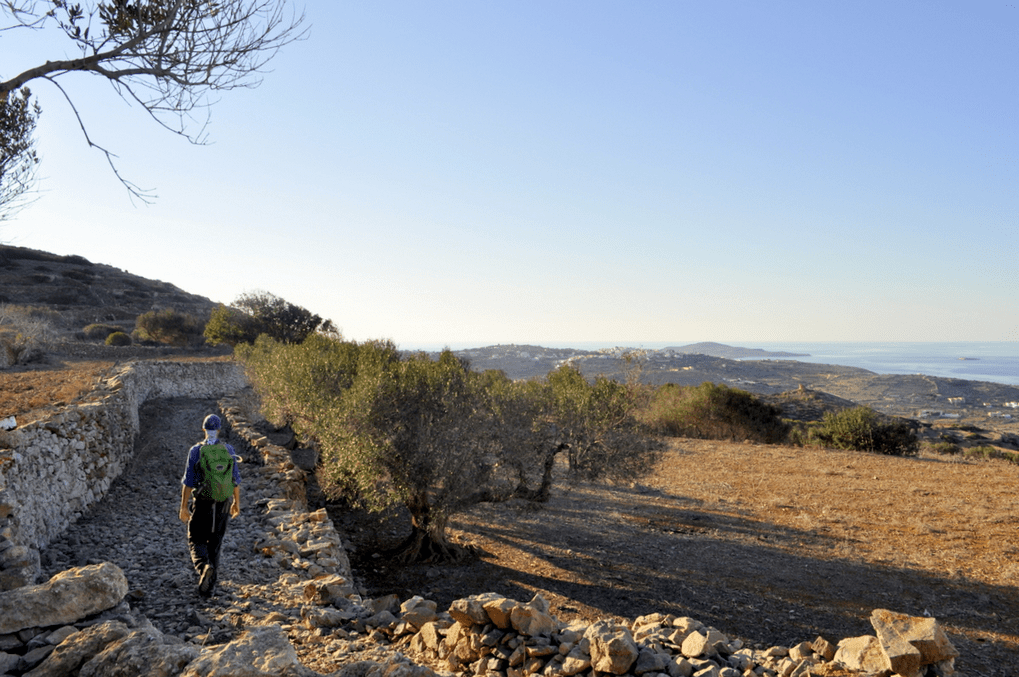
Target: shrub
x=712, y=411
x=62, y=297
x=118, y=338
x=805, y=434
x=170, y=327
x=280, y=319
x=943, y=447
x=79, y=275
x=99, y=332
x=231, y=326
x=597, y=425
x=25, y=332
x=863, y=429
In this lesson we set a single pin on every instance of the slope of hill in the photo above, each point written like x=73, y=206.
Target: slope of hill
x=84, y=292
x=730, y=352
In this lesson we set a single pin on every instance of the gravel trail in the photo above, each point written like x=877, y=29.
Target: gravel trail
x=136, y=527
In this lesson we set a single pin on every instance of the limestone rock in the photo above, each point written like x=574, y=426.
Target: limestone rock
x=824, y=648
x=431, y=636
x=325, y=617
x=709, y=671
x=704, y=643
x=143, y=653
x=259, y=652
x=679, y=667
x=79, y=648
x=67, y=597
x=612, y=647
x=863, y=654
x=394, y=667
x=576, y=661
x=471, y=610
x=650, y=661
x=922, y=634
x=328, y=590
x=532, y=619
x=499, y=611
x=417, y=611
x=8, y=662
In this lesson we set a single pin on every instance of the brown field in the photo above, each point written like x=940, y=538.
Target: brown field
x=772, y=544
x=25, y=391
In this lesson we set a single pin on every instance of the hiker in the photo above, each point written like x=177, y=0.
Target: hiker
x=213, y=480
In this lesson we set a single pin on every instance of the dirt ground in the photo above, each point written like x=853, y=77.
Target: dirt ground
x=771, y=544
x=25, y=391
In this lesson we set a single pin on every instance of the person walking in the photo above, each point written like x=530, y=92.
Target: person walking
x=213, y=480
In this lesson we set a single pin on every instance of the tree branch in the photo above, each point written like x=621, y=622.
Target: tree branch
x=145, y=195
x=166, y=55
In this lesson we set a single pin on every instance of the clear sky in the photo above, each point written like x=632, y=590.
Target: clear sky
x=555, y=172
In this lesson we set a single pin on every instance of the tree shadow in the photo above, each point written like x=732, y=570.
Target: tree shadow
x=602, y=551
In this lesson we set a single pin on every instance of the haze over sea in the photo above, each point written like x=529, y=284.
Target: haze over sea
x=973, y=361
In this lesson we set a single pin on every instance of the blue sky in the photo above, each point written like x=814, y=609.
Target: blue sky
x=471, y=173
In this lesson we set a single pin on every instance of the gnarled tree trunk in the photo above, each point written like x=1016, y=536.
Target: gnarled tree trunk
x=429, y=538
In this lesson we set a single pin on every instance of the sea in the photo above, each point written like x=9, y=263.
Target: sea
x=997, y=362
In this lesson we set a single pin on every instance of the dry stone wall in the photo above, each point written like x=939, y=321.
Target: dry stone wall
x=53, y=469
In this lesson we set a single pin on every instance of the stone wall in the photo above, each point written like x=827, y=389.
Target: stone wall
x=53, y=469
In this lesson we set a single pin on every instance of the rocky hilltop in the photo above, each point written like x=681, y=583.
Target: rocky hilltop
x=730, y=352
x=84, y=292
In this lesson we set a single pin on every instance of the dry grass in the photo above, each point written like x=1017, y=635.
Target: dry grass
x=25, y=391
x=29, y=391
x=772, y=544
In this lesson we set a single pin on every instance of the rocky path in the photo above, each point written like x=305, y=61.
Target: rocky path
x=264, y=575
x=136, y=527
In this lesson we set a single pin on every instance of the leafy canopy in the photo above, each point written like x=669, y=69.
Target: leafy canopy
x=18, y=158
x=434, y=435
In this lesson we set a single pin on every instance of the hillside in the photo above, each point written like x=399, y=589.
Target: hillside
x=84, y=292
x=730, y=352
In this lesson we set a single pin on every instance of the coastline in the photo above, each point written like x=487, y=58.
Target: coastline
x=995, y=362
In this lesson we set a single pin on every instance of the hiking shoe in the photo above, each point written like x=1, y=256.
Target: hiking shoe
x=207, y=581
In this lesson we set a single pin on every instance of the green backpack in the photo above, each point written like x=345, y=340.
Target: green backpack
x=217, y=472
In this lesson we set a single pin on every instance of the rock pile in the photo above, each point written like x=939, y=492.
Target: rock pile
x=494, y=636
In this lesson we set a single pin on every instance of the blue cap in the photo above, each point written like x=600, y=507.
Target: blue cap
x=212, y=422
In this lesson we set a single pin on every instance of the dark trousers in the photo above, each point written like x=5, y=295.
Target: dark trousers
x=205, y=531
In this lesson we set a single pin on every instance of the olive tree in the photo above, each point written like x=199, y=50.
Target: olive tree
x=281, y=319
x=171, y=57
x=231, y=326
x=18, y=159
x=433, y=435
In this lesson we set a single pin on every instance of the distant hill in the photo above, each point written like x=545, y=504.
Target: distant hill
x=84, y=292
x=730, y=352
